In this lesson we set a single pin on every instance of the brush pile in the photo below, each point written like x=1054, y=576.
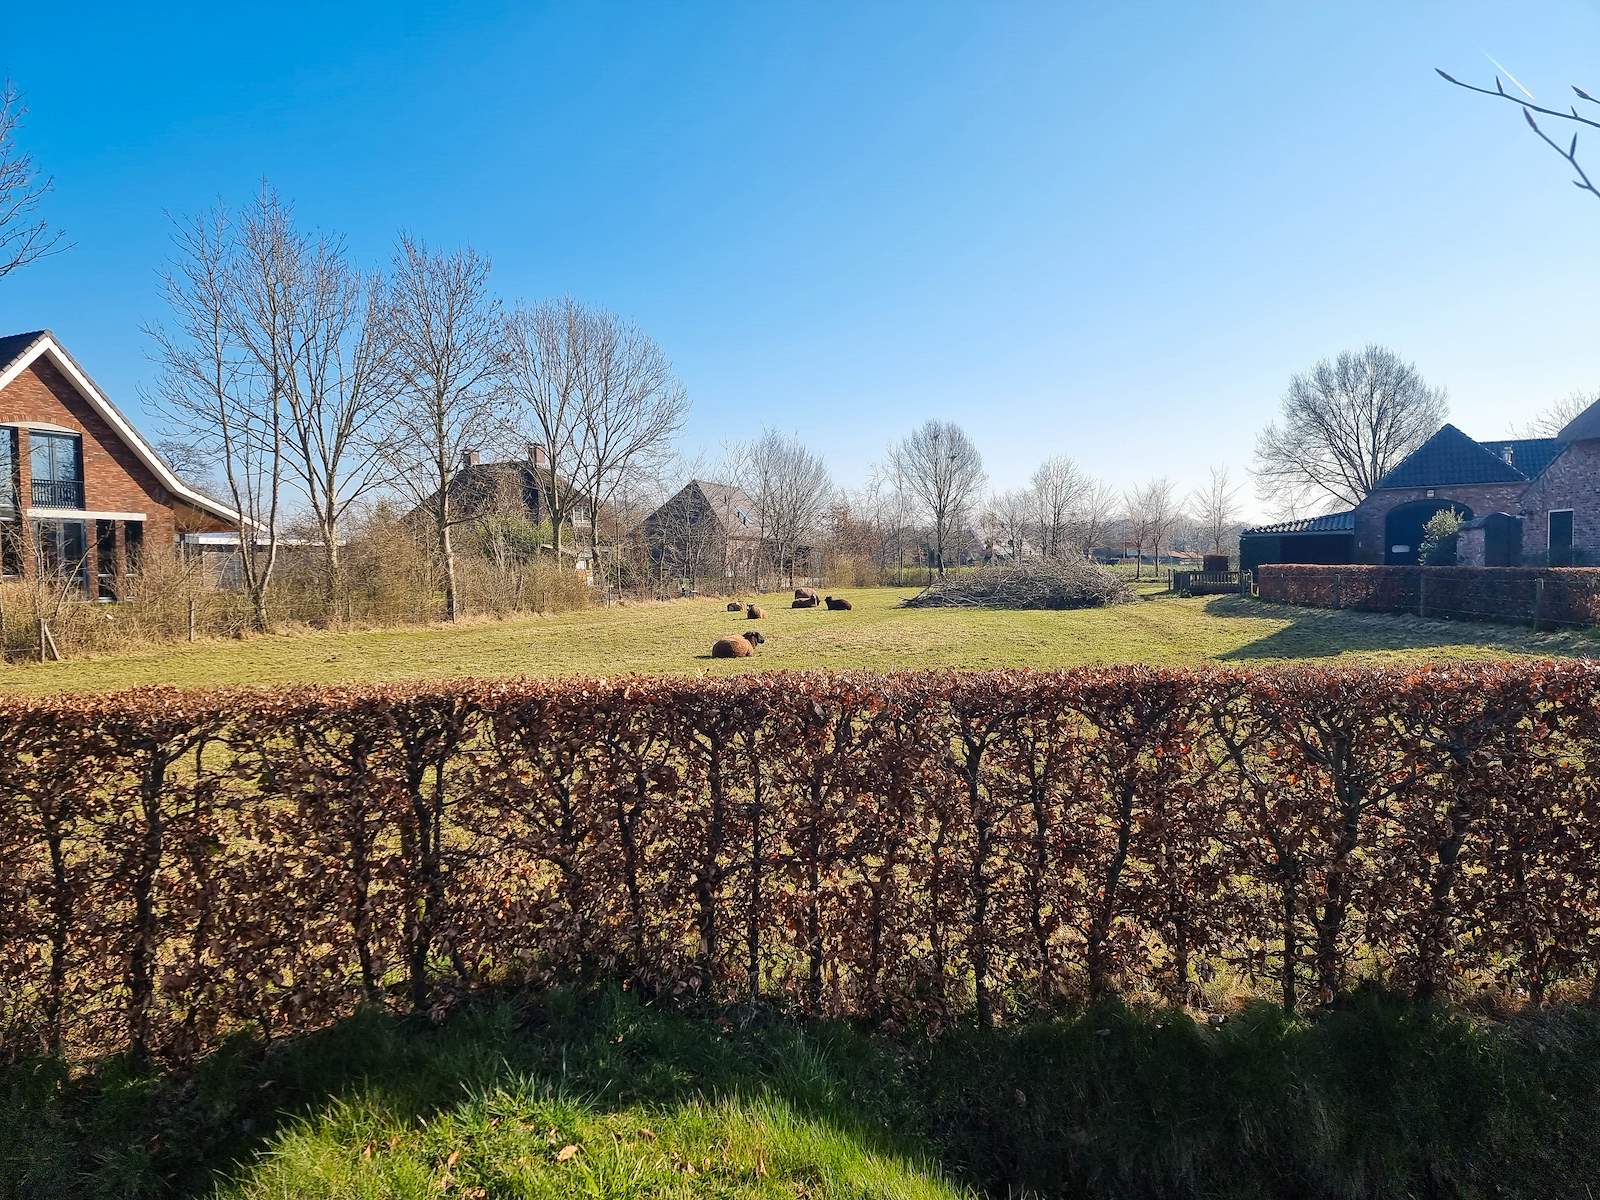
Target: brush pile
x=1050, y=585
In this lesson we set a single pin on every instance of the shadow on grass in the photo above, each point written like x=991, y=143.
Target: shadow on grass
x=1379, y=1098
x=1326, y=632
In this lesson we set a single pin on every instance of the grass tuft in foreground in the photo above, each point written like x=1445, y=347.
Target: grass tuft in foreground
x=600, y=1095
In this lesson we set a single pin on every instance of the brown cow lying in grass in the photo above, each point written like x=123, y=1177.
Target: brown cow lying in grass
x=838, y=603
x=804, y=602
x=735, y=606
x=806, y=594
x=741, y=645
x=754, y=613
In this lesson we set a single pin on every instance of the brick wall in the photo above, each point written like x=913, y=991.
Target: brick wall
x=1572, y=481
x=1481, y=498
x=114, y=479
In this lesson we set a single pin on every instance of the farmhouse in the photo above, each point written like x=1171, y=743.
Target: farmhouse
x=82, y=493
x=1524, y=500
x=706, y=532
x=516, y=490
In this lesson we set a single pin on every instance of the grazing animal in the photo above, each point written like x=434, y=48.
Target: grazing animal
x=805, y=602
x=837, y=603
x=806, y=594
x=735, y=606
x=741, y=645
x=754, y=613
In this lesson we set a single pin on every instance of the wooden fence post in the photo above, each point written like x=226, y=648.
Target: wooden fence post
x=1338, y=589
x=191, y=618
x=39, y=631
x=1538, y=600
x=1422, y=592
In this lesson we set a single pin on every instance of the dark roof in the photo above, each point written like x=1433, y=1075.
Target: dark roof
x=1585, y=427
x=1529, y=455
x=1451, y=457
x=14, y=345
x=1339, y=522
x=729, y=503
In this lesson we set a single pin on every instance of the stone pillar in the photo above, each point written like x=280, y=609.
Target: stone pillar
x=1472, y=547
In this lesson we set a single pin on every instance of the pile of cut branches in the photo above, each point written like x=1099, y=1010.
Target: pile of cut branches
x=1032, y=585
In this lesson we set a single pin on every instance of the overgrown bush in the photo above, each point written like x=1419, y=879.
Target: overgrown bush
x=1047, y=585
x=909, y=847
x=1439, y=537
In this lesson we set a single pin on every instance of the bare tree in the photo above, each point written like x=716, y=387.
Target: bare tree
x=1215, y=508
x=1093, y=516
x=631, y=404
x=548, y=348
x=1525, y=101
x=1007, y=520
x=1135, y=527
x=1343, y=426
x=336, y=386
x=790, y=489
x=24, y=236
x=1558, y=416
x=1056, y=489
x=223, y=361
x=943, y=470
x=1153, y=513
x=446, y=366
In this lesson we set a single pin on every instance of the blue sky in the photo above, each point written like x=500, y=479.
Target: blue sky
x=1108, y=231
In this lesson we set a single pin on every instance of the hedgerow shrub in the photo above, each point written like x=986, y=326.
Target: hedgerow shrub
x=907, y=847
x=1547, y=596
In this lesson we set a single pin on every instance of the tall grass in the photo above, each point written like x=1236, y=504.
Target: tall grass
x=1376, y=1099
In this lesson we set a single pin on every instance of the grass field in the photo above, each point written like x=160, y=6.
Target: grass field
x=675, y=638
x=599, y=1095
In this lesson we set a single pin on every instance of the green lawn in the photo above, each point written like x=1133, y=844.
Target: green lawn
x=675, y=638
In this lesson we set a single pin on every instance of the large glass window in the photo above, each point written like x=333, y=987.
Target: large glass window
x=55, y=460
x=8, y=470
x=62, y=548
x=10, y=549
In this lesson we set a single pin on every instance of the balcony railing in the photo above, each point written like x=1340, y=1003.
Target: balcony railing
x=58, y=493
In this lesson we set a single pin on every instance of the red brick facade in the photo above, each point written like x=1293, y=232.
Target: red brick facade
x=1373, y=512
x=118, y=485
x=1571, y=482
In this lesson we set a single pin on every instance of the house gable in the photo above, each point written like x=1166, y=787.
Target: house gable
x=38, y=377
x=1450, y=457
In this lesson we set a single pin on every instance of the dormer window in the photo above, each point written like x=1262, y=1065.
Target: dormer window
x=55, y=462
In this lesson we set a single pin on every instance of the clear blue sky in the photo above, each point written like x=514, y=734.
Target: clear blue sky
x=1111, y=231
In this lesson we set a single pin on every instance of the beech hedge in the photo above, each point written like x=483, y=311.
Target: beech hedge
x=914, y=848
x=1542, y=596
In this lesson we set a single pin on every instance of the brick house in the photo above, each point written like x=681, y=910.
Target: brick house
x=482, y=493
x=1525, y=500
x=706, y=533
x=82, y=493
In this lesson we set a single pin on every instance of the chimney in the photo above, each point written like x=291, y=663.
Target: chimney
x=539, y=458
x=1507, y=455
x=470, y=458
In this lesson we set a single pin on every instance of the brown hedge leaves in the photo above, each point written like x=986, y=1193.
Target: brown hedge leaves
x=906, y=847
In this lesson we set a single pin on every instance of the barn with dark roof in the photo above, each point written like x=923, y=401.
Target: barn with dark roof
x=1549, y=486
